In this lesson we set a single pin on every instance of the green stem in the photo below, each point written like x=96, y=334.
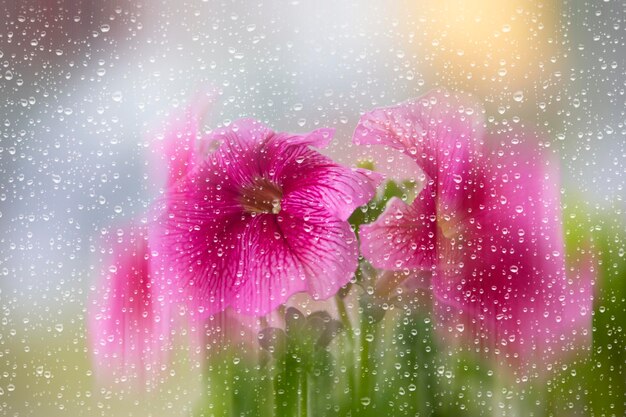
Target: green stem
x=219, y=386
x=366, y=368
x=265, y=393
x=304, y=394
x=345, y=320
x=424, y=381
x=286, y=380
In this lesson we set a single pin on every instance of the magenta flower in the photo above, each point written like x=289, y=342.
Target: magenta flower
x=129, y=317
x=486, y=224
x=128, y=329
x=175, y=150
x=259, y=219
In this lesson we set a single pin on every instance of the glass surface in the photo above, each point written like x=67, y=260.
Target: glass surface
x=124, y=291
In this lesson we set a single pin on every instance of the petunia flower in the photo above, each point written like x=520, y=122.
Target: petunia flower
x=127, y=327
x=486, y=226
x=262, y=217
x=174, y=150
x=130, y=314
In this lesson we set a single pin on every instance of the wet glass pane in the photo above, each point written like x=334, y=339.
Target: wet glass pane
x=322, y=208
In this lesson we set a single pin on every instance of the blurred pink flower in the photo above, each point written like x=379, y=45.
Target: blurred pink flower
x=259, y=219
x=487, y=224
x=127, y=328
x=175, y=149
x=130, y=312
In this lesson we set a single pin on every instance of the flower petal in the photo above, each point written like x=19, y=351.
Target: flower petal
x=320, y=138
x=241, y=149
x=204, y=255
x=175, y=147
x=220, y=252
x=441, y=131
x=309, y=176
x=505, y=280
x=198, y=234
x=301, y=249
x=434, y=129
x=403, y=236
x=313, y=177
x=129, y=324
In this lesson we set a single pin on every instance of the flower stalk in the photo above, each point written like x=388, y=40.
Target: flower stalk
x=304, y=394
x=365, y=381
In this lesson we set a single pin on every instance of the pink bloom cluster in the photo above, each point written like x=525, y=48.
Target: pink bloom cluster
x=486, y=225
x=129, y=315
x=127, y=322
x=245, y=226
x=263, y=216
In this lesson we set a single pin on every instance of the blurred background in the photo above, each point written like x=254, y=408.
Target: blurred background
x=84, y=82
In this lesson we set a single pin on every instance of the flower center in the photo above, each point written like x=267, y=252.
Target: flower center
x=262, y=196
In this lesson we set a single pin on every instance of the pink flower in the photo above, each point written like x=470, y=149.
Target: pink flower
x=487, y=225
x=126, y=324
x=261, y=218
x=175, y=150
x=130, y=312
